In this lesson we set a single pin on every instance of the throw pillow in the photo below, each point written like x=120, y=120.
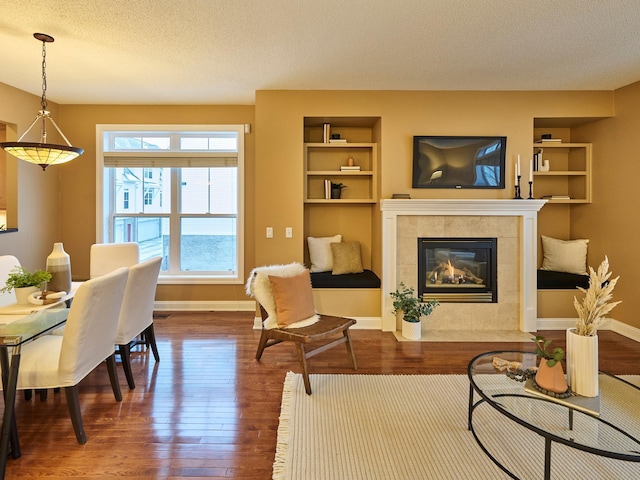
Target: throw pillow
x=346, y=258
x=568, y=256
x=320, y=252
x=293, y=298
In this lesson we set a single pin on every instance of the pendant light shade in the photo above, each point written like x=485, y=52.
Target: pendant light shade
x=42, y=153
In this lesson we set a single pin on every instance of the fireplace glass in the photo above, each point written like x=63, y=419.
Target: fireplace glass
x=458, y=270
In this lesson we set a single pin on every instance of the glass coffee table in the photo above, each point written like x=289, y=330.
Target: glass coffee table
x=608, y=425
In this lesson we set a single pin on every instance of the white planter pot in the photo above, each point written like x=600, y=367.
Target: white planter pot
x=22, y=294
x=582, y=364
x=412, y=330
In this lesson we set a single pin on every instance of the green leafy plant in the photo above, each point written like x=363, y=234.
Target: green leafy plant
x=596, y=302
x=338, y=185
x=552, y=357
x=412, y=307
x=19, y=277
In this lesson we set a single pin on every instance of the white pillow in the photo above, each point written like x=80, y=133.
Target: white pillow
x=568, y=256
x=320, y=252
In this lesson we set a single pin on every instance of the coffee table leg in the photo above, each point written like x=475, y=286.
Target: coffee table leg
x=547, y=459
x=571, y=419
x=470, y=406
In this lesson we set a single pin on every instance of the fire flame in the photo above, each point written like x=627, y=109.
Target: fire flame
x=450, y=268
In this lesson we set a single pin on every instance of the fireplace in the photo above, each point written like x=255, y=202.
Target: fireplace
x=458, y=270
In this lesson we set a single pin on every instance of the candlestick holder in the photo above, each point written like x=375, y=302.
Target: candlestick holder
x=517, y=195
x=530, y=190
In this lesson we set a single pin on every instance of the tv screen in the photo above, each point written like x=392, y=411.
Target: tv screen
x=458, y=162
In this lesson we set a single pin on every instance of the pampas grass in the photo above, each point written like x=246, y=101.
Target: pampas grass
x=596, y=303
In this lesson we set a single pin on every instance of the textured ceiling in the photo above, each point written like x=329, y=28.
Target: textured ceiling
x=222, y=51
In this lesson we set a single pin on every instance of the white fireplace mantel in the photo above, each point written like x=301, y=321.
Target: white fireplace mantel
x=527, y=210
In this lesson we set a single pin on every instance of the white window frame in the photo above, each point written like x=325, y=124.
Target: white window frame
x=102, y=236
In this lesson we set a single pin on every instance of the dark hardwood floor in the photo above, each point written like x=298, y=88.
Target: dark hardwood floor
x=209, y=409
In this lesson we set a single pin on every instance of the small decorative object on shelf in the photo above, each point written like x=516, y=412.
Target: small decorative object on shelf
x=517, y=195
x=582, y=341
x=336, y=190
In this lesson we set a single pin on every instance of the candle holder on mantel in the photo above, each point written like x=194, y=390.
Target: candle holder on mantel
x=530, y=190
x=517, y=195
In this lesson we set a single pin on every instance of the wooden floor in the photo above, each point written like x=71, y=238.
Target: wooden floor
x=209, y=409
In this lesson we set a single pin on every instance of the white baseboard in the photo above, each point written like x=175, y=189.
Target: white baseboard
x=611, y=324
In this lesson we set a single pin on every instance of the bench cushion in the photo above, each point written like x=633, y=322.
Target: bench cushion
x=561, y=280
x=366, y=279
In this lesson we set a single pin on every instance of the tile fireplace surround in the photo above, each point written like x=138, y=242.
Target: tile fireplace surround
x=512, y=222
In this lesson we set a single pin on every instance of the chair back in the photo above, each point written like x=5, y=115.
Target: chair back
x=91, y=326
x=7, y=263
x=136, y=313
x=106, y=257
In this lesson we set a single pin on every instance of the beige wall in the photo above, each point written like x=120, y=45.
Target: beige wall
x=59, y=205
x=78, y=191
x=611, y=221
x=32, y=195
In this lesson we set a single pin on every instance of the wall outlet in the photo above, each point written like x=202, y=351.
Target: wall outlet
x=288, y=232
x=269, y=232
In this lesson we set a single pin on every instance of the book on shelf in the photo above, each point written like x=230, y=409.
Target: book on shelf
x=327, y=189
x=337, y=140
x=549, y=140
x=556, y=197
x=326, y=133
x=350, y=168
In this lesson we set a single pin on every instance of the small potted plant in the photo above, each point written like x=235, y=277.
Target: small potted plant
x=336, y=190
x=550, y=376
x=24, y=283
x=412, y=310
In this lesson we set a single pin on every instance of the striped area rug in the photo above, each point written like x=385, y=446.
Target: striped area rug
x=367, y=427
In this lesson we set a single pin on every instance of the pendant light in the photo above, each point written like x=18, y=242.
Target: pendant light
x=43, y=153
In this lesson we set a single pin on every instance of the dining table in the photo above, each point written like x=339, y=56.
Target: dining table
x=20, y=324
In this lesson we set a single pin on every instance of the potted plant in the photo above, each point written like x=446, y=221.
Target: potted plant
x=582, y=341
x=550, y=376
x=336, y=190
x=24, y=283
x=412, y=310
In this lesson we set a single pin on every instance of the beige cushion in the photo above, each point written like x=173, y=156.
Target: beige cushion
x=293, y=298
x=320, y=252
x=568, y=256
x=346, y=258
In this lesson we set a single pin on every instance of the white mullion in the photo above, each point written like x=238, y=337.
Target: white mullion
x=174, y=223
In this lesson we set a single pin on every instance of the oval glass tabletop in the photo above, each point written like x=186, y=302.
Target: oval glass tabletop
x=607, y=425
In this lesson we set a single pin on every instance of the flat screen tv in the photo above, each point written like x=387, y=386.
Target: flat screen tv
x=458, y=162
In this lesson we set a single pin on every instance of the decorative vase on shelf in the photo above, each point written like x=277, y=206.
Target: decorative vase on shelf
x=411, y=330
x=59, y=266
x=582, y=363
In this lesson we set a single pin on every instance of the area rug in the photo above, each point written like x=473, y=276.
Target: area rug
x=412, y=427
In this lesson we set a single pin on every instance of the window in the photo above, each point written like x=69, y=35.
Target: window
x=181, y=197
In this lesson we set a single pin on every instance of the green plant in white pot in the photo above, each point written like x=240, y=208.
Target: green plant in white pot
x=412, y=309
x=582, y=341
x=24, y=283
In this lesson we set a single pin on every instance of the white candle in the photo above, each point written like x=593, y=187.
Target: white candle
x=518, y=167
x=531, y=171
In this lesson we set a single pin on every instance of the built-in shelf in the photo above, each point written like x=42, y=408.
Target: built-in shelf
x=569, y=172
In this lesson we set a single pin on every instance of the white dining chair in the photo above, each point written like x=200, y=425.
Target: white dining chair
x=7, y=263
x=136, y=314
x=54, y=361
x=106, y=257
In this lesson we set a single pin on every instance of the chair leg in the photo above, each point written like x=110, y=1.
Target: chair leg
x=302, y=353
x=262, y=344
x=150, y=338
x=73, y=402
x=125, y=356
x=347, y=334
x=113, y=376
x=43, y=394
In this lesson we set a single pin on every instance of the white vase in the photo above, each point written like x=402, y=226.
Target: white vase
x=59, y=266
x=412, y=330
x=582, y=364
x=22, y=294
